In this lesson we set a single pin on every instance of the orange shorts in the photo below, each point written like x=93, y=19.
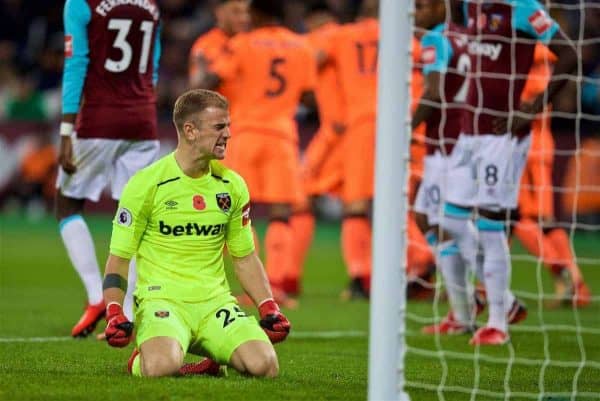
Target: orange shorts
x=536, y=195
x=359, y=161
x=324, y=161
x=536, y=192
x=269, y=164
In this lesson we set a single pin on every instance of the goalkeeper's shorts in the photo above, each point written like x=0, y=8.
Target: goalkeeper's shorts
x=214, y=329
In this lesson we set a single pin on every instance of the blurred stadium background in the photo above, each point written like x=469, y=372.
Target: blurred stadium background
x=31, y=59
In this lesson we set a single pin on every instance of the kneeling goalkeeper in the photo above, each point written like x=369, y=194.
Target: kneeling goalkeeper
x=175, y=216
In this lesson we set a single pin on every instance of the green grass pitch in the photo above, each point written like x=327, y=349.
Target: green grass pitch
x=41, y=297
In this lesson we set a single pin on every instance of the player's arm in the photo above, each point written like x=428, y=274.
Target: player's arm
x=532, y=19
x=76, y=16
x=157, y=54
x=251, y=275
x=250, y=271
x=565, y=65
x=129, y=226
x=429, y=100
x=435, y=54
x=119, y=329
x=224, y=68
x=198, y=68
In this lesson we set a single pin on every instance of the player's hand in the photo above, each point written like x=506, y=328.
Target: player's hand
x=119, y=329
x=273, y=322
x=65, y=155
x=519, y=121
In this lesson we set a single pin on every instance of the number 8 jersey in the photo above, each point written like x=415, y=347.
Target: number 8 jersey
x=444, y=50
x=112, y=50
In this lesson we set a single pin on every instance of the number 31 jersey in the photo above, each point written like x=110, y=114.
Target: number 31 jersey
x=112, y=50
x=271, y=67
x=444, y=50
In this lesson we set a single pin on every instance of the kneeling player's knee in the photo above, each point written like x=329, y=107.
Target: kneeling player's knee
x=263, y=364
x=157, y=365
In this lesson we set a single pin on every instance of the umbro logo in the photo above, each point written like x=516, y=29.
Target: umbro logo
x=171, y=204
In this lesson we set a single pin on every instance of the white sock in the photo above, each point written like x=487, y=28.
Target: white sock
x=131, y=280
x=80, y=247
x=509, y=297
x=454, y=272
x=496, y=268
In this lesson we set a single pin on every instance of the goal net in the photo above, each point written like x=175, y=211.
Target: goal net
x=554, y=235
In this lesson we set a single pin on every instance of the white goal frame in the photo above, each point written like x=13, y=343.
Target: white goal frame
x=388, y=289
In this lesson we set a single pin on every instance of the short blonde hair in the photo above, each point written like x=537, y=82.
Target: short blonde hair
x=193, y=102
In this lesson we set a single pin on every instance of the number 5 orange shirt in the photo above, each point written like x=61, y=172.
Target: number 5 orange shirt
x=272, y=67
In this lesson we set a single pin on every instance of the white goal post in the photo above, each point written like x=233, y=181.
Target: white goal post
x=388, y=289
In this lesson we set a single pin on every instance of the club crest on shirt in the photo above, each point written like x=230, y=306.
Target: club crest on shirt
x=124, y=217
x=496, y=22
x=161, y=314
x=224, y=201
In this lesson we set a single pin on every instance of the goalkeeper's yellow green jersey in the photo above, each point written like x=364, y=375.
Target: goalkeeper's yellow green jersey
x=176, y=227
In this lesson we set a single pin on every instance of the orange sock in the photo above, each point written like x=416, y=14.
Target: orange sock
x=303, y=227
x=356, y=246
x=279, y=251
x=419, y=254
x=536, y=243
x=561, y=243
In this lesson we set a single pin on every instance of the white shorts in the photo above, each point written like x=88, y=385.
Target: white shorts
x=485, y=171
x=100, y=161
x=431, y=195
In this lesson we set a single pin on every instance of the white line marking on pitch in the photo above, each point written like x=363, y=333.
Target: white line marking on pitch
x=300, y=335
x=33, y=339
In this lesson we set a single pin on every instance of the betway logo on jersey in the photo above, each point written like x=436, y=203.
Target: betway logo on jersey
x=191, y=229
x=485, y=49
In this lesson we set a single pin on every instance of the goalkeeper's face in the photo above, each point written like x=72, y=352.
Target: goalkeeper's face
x=209, y=133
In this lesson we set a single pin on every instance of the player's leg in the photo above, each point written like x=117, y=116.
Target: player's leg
x=356, y=248
x=535, y=205
x=581, y=295
x=321, y=174
x=132, y=156
x=419, y=256
x=302, y=222
x=357, y=194
x=279, y=244
x=159, y=356
x=255, y=358
x=281, y=186
x=87, y=182
x=162, y=338
x=498, y=174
